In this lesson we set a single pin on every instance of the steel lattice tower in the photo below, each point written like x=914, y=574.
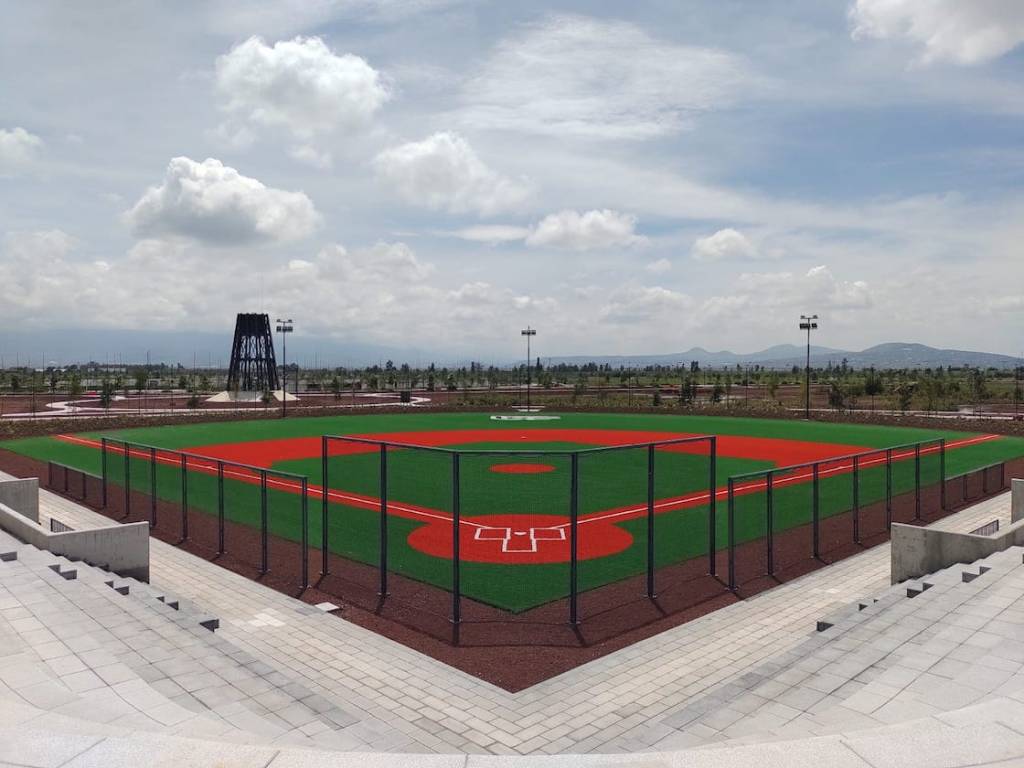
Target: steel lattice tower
x=253, y=367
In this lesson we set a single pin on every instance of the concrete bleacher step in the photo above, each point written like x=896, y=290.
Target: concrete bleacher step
x=301, y=706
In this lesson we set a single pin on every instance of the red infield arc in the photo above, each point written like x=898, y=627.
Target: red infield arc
x=522, y=469
x=524, y=538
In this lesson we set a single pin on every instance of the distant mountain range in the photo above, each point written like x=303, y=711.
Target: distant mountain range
x=62, y=347
x=890, y=355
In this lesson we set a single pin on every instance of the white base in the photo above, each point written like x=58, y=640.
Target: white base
x=247, y=397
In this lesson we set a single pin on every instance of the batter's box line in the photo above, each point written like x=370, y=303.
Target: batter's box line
x=509, y=538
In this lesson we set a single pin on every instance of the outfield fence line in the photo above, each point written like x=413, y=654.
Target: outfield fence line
x=221, y=470
x=456, y=503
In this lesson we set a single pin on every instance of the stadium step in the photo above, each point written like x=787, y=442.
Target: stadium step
x=175, y=656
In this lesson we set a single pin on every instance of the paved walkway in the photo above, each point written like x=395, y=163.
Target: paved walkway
x=406, y=702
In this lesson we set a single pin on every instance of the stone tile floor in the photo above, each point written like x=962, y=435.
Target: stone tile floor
x=405, y=702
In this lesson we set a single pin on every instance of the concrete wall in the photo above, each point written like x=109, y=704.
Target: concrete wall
x=918, y=551
x=124, y=549
x=1016, y=500
x=22, y=496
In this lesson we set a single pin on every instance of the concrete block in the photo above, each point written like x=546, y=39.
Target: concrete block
x=1016, y=500
x=22, y=496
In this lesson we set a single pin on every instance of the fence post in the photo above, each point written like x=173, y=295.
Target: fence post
x=1002, y=474
x=942, y=473
x=650, y=520
x=888, y=489
x=49, y=474
x=65, y=478
x=103, y=469
x=711, y=506
x=456, y=544
x=984, y=481
x=574, y=515
x=325, y=502
x=84, y=491
x=304, y=490
x=263, y=521
x=127, y=480
x=220, y=507
x=383, y=520
x=731, y=490
x=769, y=487
x=917, y=481
x=152, y=487
x=184, y=497
x=815, y=511
x=856, y=499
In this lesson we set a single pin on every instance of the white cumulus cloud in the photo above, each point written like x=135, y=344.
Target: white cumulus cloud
x=586, y=231
x=962, y=31
x=724, y=244
x=443, y=172
x=214, y=203
x=300, y=86
x=579, y=75
x=18, y=148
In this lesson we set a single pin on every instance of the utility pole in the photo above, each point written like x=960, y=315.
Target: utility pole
x=528, y=333
x=284, y=327
x=807, y=323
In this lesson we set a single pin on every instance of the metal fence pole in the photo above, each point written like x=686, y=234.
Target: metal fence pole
x=49, y=474
x=731, y=490
x=84, y=492
x=574, y=520
x=984, y=481
x=769, y=517
x=942, y=473
x=263, y=522
x=127, y=480
x=325, y=504
x=220, y=507
x=456, y=544
x=184, y=497
x=65, y=478
x=816, y=511
x=304, y=490
x=383, y=520
x=152, y=487
x=711, y=506
x=103, y=469
x=917, y=481
x=888, y=489
x=1002, y=474
x=650, y=520
x=856, y=499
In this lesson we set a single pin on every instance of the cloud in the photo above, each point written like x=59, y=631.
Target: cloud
x=659, y=266
x=586, y=231
x=442, y=172
x=18, y=148
x=582, y=76
x=817, y=290
x=724, y=244
x=383, y=262
x=493, y=234
x=298, y=85
x=961, y=31
x=213, y=203
x=632, y=305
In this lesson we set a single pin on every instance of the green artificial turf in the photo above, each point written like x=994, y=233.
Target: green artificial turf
x=608, y=480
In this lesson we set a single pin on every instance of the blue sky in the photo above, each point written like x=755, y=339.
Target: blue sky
x=627, y=178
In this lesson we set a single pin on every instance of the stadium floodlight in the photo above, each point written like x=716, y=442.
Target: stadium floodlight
x=807, y=323
x=528, y=332
x=284, y=327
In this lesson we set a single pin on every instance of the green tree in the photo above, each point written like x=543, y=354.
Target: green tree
x=873, y=386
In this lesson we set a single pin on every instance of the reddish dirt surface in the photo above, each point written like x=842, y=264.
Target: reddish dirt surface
x=522, y=469
x=265, y=453
x=515, y=651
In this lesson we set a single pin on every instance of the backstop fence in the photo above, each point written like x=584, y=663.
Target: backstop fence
x=470, y=523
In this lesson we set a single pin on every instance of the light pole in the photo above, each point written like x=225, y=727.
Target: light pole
x=528, y=333
x=284, y=327
x=807, y=323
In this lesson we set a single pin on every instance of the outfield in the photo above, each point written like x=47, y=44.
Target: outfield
x=514, y=508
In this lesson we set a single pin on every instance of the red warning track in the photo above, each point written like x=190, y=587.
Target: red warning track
x=522, y=469
x=514, y=539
